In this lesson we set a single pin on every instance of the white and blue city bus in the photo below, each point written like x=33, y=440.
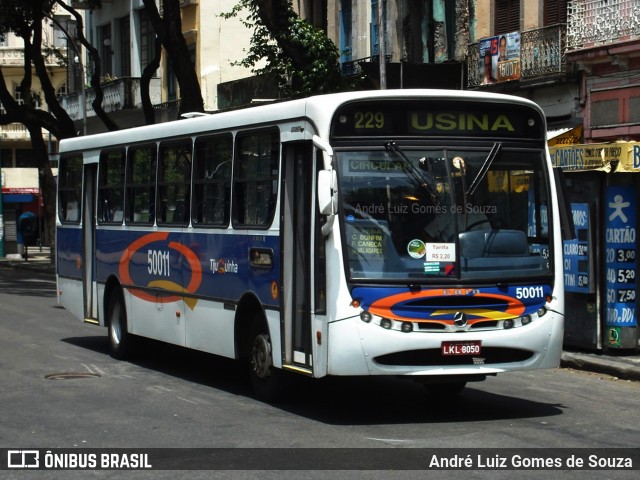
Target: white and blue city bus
x=412, y=233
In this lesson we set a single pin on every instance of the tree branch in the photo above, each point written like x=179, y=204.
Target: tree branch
x=95, y=77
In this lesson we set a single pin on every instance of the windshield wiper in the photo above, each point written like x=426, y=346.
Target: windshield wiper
x=493, y=154
x=427, y=182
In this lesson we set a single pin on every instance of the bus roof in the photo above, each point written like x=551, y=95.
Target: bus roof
x=320, y=108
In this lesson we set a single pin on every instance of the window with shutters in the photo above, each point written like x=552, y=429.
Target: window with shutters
x=507, y=16
x=555, y=11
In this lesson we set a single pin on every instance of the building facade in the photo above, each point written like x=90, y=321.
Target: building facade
x=122, y=32
x=603, y=43
x=21, y=190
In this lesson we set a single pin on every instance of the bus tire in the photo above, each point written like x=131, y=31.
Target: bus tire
x=119, y=337
x=268, y=382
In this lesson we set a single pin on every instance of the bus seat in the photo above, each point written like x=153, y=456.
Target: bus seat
x=472, y=244
x=506, y=243
x=494, y=243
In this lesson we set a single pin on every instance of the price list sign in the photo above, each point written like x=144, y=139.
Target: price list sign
x=621, y=257
x=577, y=271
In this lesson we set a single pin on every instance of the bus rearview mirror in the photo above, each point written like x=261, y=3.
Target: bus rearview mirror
x=326, y=192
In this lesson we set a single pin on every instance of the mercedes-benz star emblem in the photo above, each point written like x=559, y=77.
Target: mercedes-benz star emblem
x=460, y=319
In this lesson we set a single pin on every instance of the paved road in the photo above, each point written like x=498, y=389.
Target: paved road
x=59, y=388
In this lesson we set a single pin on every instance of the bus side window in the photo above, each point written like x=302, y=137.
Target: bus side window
x=140, y=184
x=212, y=180
x=174, y=176
x=69, y=188
x=256, y=178
x=111, y=186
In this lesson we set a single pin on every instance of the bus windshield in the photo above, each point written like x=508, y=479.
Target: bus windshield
x=418, y=214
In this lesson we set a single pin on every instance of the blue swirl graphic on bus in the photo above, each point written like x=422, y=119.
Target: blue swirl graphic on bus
x=442, y=304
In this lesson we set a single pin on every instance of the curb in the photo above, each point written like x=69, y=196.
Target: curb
x=622, y=369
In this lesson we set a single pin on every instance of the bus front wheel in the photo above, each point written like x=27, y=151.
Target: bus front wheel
x=267, y=381
x=119, y=337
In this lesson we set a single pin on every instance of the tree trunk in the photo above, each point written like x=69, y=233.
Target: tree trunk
x=47, y=183
x=169, y=29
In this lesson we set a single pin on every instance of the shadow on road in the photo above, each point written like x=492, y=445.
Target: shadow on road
x=32, y=284
x=335, y=400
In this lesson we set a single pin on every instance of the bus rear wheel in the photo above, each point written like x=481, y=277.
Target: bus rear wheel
x=119, y=337
x=267, y=381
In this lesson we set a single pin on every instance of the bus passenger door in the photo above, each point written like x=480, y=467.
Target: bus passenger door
x=296, y=231
x=88, y=243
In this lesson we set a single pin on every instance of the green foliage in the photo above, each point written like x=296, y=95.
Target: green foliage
x=303, y=59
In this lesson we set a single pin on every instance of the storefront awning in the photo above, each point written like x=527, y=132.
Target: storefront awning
x=17, y=198
x=605, y=157
x=565, y=136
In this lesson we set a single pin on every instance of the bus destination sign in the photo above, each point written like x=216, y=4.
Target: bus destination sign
x=372, y=119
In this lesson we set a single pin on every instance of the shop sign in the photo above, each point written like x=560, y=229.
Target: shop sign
x=21, y=190
x=619, y=156
x=620, y=253
x=499, y=58
x=576, y=260
x=613, y=337
x=570, y=137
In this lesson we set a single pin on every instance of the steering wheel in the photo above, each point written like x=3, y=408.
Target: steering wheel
x=475, y=224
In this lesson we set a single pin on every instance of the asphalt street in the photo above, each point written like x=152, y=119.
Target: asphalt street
x=624, y=364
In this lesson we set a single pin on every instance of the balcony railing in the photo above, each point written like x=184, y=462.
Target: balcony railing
x=354, y=67
x=167, y=111
x=120, y=94
x=17, y=132
x=14, y=57
x=542, y=53
x=599, y=22
x=14, y=131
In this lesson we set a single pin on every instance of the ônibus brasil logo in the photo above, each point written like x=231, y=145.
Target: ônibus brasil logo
x=159, y=264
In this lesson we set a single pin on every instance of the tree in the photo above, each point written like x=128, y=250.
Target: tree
x=303, y=59
x=25, y=18
x=94, y=56
x=168, y=30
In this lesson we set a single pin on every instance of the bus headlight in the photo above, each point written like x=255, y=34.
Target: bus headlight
x=507, y=324
x=365, y=317
x=526, y=320
x=407, y=327
x=385, y=323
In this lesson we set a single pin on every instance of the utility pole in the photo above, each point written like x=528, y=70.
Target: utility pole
x=381, y=52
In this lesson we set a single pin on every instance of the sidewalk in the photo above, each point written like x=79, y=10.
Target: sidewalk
x=623, y=365
x=38, y=260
